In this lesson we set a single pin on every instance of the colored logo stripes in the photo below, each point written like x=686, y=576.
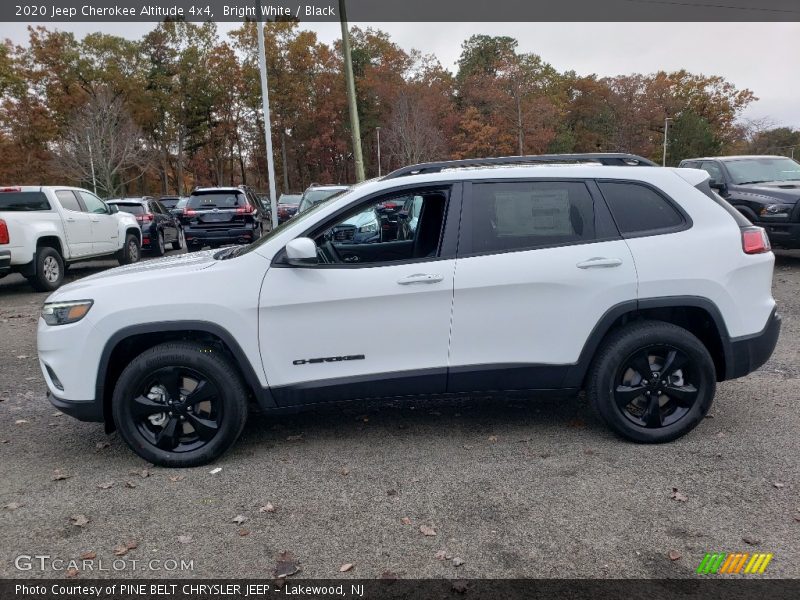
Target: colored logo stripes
x=735, y=563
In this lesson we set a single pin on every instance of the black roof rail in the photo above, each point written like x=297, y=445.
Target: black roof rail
x=606, y=159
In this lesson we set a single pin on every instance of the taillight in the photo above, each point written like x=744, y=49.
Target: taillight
x=188, y=212
x=755, y=240
x=4, y=239
x=146, y=218
x=11, y=189
x=246, y=210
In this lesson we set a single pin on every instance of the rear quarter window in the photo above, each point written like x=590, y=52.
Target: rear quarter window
x=638, y=209
x=23, y=201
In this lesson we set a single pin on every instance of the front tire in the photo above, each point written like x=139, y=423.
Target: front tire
x=130, y=251
x=652, y=382
x=49, y=270
x=180, y=404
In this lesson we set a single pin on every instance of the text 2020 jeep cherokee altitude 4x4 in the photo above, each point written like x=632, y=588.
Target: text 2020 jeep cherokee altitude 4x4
x=638, y=284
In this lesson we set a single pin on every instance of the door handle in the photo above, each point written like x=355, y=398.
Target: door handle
x=70, y=220
x=420, y=278
x=599, y=262
x=95, y=220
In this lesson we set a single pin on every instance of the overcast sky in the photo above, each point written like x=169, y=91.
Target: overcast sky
x=758, y=56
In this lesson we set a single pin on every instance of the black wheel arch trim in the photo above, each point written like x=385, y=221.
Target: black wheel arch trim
x=262, y=394
x=577, y=373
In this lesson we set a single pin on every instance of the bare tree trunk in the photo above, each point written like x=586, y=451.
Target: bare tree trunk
x=520, y=131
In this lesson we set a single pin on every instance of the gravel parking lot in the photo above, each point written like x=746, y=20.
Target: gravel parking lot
x=511, y=487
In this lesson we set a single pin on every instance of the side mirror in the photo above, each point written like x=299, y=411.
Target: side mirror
x=112, y=208
x=717, y=185
x=302, y=252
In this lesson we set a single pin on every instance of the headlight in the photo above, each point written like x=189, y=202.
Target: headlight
x=369, y=228
x=776, y=210
x=62, y=313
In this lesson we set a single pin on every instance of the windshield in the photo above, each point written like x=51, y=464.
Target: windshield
x=216, y=200
x=759, y=170
x=23, y=201
x=315, y=197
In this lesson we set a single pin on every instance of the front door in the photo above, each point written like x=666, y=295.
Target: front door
x=539, y=264
x=372, y=320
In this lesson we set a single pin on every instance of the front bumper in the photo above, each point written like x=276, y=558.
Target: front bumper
x=784, y=235
x=84, y=410
x=748, y=353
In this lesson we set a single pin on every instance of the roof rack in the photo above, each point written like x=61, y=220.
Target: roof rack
x=606, y=159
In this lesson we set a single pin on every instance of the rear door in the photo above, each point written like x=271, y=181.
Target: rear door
x=105, y=227
x=77, y=224
x=539, y=264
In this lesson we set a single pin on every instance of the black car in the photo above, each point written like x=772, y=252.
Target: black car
x=765, y=189
x=169, y=202
x=159, y=226
x=223, y=215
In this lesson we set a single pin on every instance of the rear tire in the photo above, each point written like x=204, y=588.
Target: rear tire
x=159, y=249
x=130, y=251
x=49, y=270
x=652, y=382
x=179, y=243
x=169, y=428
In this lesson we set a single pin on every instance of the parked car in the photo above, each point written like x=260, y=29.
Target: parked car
x=540, y=277
x=44, y=229
x=319, y=193
x=765, y=189
x=363, y=228
x=177, y=210
x=159, y=226
x=222, y=215
x=408, y=217
x=287, y=206
x=389, y=215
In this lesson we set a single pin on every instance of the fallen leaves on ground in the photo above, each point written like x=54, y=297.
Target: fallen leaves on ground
x=674, y=555
x=239, y=519
x=243, y=532
x=267, y=508
x=346, y=567
x=286, y=565
x=72, y=572
x=131, y=545
x=678, y=496
x=101, y=445
x=90, y=555
x=215, y=471
x=345, y=471
x=130, y=484
x=778, y=484
x=751, y=540
x=391, y=492
x=457, y=562
x=440, y=555
x=20, y=422
x=59, y=476
x=405, y=521
x=105, y=485
x=120, y=550
x=427, y=530
x=79, y=520
x=493, y=439
x=388, y=575
x=12, y=506
x=184, y=539
x=176, y=478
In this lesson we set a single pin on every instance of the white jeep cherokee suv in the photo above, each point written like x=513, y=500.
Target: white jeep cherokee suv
x=636, y=283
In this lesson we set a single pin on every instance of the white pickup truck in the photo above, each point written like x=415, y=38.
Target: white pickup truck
x=44, y=229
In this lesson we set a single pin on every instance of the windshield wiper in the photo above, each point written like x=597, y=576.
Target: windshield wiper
x=749, y=182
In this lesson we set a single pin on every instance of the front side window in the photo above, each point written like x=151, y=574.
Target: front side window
x=369, y=235
x=761, y=170
x=93, y=203
x=521, y=215
x=713, y=169
x=638, y=209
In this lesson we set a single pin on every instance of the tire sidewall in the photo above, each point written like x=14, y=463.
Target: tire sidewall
x=607, y=369
x=203, y=359
x=40, y=281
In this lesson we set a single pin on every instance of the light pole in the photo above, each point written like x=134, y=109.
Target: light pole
x=378, y=131
x=355, y=128
x=262, y=64
x=91, y=162
x=666, y=134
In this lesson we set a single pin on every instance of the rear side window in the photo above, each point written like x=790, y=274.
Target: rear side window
x=520, y=215
x=23, y=201
x=639, y=209
x=68, y=200
x=220, y=200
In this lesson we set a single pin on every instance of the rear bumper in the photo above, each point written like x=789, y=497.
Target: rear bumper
x=5, y=262
x=201, y=237
x=84, y=410
x=750, y=352
x=785, y=235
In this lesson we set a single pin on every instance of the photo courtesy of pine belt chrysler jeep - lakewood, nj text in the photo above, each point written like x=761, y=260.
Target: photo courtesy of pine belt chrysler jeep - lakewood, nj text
x=554, y=274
